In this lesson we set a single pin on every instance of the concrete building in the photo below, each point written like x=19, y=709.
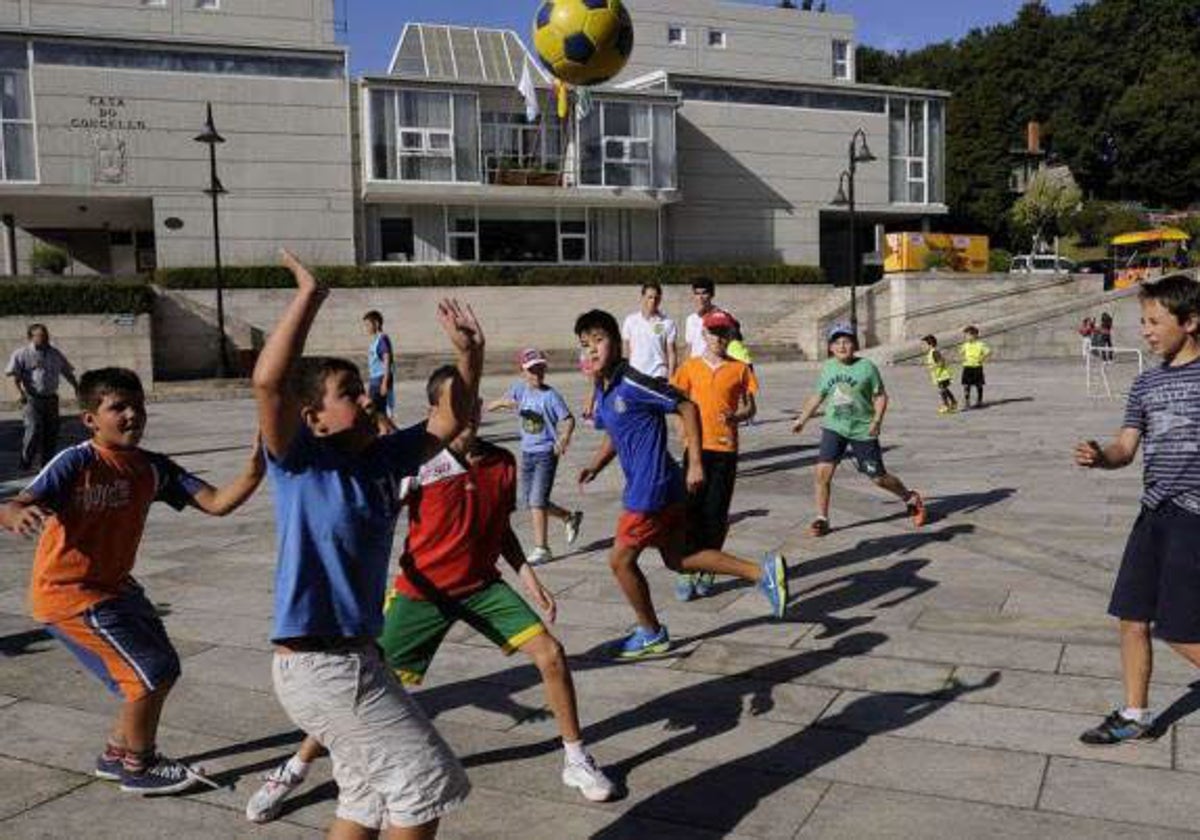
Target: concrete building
x=722, y=141
x=102, y=100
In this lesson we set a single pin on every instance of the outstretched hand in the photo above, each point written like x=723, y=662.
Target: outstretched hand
x=1089, y=454
x=26, y=520
x=461, y=325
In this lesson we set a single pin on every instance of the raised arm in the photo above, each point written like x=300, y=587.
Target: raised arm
x=220, y=501
x=278, y=408
x=462, y=328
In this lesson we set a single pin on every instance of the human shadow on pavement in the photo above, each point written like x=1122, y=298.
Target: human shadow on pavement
x=858, y=589
x=720, y=797
x=22, y=644
x=997, y=403
x=1177, y=711
x=938, y=508
x=749, y=456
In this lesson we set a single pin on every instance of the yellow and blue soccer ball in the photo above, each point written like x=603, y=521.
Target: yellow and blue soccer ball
x=583, y=42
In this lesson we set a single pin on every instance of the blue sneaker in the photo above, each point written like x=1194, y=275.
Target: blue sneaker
x=703, y=584
x=774, y=584
x=161, y=776
x=685, y=587
x=1117, y=729
x=642, y=642
x=109, y=767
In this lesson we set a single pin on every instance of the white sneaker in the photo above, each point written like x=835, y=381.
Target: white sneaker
x=572, y=526
x=589, y=779
x=538, y=556
x=264, y=805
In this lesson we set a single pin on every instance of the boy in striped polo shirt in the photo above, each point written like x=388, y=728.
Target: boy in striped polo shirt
x=1158, y=585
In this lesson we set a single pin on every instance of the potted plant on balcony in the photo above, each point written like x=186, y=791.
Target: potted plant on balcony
x=510, y=173
x=547, y=175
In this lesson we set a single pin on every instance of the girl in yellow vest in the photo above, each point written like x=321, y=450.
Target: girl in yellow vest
x=939, y=372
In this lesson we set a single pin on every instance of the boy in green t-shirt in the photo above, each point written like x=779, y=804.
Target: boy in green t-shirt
x=856, y=405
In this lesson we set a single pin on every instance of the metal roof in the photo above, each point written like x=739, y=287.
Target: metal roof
x=440, y=52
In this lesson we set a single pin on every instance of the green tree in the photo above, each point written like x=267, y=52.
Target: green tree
x=1046, y=208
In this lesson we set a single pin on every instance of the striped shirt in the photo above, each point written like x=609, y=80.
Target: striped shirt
x=1164, y=405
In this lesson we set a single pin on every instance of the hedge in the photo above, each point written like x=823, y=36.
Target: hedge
x=74, y=297
x=267, y=277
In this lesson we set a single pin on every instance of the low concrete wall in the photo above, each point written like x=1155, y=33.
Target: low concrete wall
x=88, y=341
x=513, y=317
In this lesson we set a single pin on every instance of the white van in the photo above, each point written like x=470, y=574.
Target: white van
x=1041, y=264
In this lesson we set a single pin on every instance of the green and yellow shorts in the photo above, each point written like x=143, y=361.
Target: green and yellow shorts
x=413, y=630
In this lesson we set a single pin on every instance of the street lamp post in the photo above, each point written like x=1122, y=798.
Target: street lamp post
x=859, y=152
x=211, y=138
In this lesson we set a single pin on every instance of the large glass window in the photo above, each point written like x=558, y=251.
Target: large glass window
x=628, y=144
x=822, y=100
x=916, y=137
x=18, y=159
x=423, y=136
x=74, y=54
x=841, y=60
x=511, y=143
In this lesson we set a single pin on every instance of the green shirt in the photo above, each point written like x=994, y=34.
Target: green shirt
x=849, y=393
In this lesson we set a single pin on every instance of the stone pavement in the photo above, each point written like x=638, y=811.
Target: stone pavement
x=925, y=683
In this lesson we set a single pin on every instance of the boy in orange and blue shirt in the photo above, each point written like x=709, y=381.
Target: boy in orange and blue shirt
x=90, y=505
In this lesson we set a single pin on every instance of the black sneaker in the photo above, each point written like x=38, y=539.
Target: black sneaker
x=1117, y=729
x=161, y=776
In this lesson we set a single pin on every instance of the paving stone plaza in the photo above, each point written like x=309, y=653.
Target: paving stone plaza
x=926, y=683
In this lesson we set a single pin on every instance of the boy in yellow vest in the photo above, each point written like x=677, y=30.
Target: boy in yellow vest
x=939, y=372
x=973, y=353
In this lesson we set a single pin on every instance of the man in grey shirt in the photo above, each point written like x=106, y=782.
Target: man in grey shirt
x=36, y=368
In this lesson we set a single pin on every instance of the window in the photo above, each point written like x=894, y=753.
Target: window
x=572, y=235
x=208, y=5
x=915, y=139
x=158, y=3
x=462, y=233
x=628, y=144
x=18, y=158
x=716, y=39
x=423, y=136
x=188, y=61
x=396, y=241
x=511, y=143
x=676, y=35
x=841, y=60
x=783, y=97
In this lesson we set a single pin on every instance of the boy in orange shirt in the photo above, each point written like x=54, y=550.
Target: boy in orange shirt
x=90, y=504
x=723, y=389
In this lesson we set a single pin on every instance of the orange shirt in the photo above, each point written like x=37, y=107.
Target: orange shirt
x=716, y=391
x=100, y=498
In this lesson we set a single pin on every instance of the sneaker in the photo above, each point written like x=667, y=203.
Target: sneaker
x=589, y=779
x=1115, y=729
x=108, y=768
x=703, y=584
x=685, y=587
x=264, y=805
x=539, y=556
x=641, y=643
x=943, y=409
x=161, y=776
x=916, y=508
x=774, y=585
x=819, y=527
x=571, y=526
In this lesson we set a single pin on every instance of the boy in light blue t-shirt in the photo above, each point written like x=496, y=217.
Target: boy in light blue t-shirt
x=381, y=363
x=337, y=497
x=546, y=428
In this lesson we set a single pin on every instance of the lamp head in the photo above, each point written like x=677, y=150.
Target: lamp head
x=862, y=152
x=209, y=135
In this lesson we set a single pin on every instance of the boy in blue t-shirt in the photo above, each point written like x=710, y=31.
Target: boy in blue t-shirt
x=1158, y=584
x=546, y=428
x=631, y=409
x=337, y=497
x=381, y=365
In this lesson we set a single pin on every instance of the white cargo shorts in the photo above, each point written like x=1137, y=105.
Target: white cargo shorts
x=391, y=766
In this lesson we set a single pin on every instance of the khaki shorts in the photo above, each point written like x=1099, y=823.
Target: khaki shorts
x=391, y=766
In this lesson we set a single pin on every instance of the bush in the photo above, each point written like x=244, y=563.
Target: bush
x=270, y=277
x=49, y=259
x=999, y=261
x=55, y=297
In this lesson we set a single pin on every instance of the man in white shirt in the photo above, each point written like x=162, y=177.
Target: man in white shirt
x=693, y=327
x=649, y=336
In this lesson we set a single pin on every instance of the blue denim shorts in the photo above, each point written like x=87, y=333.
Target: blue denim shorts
x=537, y=477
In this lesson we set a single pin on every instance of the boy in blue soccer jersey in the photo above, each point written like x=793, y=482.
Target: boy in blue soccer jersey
x=631, y=409
x=381, y=364
x=337, y=484
x=1158, y=585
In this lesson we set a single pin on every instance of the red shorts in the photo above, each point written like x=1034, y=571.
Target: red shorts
x=662, y=529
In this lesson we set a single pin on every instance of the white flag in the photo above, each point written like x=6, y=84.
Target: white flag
x=529, y=93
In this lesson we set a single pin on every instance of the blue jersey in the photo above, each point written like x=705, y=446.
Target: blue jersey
x=1164, y=405
x=632, y=410
x=335, y=514
x=377, y=368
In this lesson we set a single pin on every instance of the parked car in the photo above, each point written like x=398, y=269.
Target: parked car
x=1041, y=264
